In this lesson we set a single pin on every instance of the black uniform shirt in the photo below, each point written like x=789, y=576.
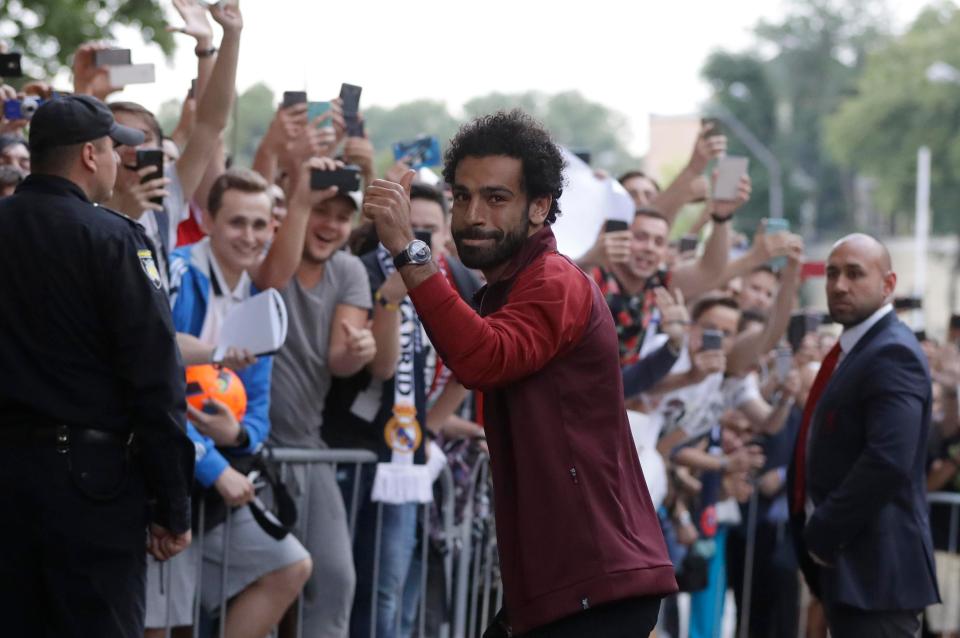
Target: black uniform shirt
x=87, y=338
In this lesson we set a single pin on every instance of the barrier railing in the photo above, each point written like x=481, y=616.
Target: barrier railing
x=934, y=499
x=952, y=500
x=468, y=548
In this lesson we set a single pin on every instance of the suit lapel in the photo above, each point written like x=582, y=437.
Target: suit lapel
x=836, y=383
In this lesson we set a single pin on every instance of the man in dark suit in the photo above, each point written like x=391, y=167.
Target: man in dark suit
x=858, y=483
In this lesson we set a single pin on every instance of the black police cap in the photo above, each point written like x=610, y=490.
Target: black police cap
x=74, y=119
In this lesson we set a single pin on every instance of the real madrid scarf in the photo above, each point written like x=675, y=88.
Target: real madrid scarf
x=404, y=478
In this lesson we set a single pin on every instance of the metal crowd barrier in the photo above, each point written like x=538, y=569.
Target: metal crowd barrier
x=951, y=500
x=472, y=589
x=934, y=499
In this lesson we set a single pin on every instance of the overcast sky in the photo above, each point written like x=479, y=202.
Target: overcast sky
x=636, y=57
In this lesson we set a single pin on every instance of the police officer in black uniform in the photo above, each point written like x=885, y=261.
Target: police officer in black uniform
x=95, y=464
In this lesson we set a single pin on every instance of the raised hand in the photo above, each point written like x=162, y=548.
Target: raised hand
x=387, y=205
x=195, y=21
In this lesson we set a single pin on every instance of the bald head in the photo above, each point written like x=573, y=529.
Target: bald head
x=860, y=278
x=870, y=247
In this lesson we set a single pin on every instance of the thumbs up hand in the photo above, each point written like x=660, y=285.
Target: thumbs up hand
x=387, y=205
x=360, y=342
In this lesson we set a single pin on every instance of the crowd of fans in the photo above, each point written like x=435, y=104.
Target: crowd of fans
x=717, y=357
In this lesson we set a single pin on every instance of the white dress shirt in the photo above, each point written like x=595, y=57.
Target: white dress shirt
x=853, y=334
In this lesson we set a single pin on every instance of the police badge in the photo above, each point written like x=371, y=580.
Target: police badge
x=150, y=267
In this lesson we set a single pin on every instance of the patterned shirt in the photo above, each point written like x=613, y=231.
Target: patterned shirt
x=631, y=313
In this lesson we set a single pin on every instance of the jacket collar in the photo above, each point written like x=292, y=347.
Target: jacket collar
x=882, y=324
x=52, y=184
x=542, y=241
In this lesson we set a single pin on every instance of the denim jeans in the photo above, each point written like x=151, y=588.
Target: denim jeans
x=398, y=539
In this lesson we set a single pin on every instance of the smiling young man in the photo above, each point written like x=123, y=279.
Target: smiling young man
x=580, y=546
x=328, y=300
x=207, y=280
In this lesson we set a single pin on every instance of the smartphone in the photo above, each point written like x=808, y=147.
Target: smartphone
x=688, y=243
x=908, y=303
x=711, y=340
x=615, y=226
x=350, y=95
x=715, y=127
x=729, y=171
x=346, y=179
x=151, y=157
x=796, y=329
x=778, y=225
x=355, y=127
x=423, y=151
x=784, y=363
x=350, y=98
x=10, y=65
x=318, y=109
x=921, y=335
x=22, y=109
x=292, y=98
x=111, y=57
x=125, y=74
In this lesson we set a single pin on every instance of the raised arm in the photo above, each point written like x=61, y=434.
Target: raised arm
x=751, y=345
x=706, y=273
x=213, y=106
x=683, y=189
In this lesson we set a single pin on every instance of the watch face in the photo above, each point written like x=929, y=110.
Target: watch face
x=419, y=252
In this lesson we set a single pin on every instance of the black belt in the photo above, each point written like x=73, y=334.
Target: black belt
x=59, y=436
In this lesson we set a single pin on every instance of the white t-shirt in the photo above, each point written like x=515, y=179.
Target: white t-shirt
x=697, y=408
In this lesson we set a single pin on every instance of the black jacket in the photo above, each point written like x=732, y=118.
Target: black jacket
x=87, y=335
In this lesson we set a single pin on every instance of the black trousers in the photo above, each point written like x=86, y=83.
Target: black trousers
x=72, y=543
x=775, y=591
x=630, y=618
x=848, y=622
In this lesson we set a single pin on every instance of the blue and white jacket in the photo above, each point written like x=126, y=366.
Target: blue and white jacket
x=190, y=273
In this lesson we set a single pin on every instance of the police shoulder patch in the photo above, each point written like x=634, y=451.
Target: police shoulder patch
x=150, y=267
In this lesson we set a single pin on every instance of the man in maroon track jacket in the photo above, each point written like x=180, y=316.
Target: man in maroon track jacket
x=581, y=550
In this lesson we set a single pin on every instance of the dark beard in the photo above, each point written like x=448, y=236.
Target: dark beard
x=505, y=246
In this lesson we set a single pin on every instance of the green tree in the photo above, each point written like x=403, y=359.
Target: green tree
x=47, y=32
x=800, y=71
x=386, y=126
x=252, y=114
x=896, y=110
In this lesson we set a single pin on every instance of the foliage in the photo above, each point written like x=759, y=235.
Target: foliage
x=47, y=32
x=800, y=72
x=897, y=109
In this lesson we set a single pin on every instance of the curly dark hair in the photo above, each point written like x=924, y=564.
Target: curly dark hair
x=514, y=134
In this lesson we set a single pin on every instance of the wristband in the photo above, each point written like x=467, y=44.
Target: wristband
x=243, y=437
x=205, y=53
x=380, y=299
x=719, y=219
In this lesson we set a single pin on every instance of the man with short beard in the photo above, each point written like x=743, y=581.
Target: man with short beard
x=858, y=481
x=580, y=546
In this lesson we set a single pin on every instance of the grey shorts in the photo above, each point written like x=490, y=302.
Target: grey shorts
x=174, y=584
x=253, y=553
